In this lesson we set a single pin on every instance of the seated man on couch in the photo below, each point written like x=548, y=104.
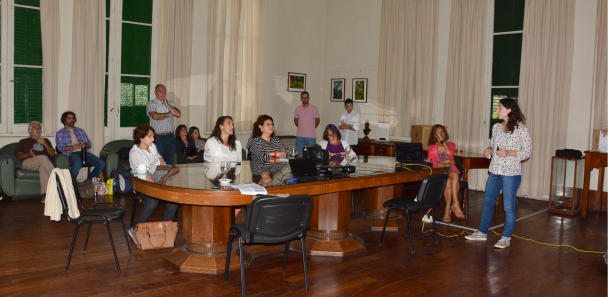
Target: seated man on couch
x=70, y=141
x=34, y=153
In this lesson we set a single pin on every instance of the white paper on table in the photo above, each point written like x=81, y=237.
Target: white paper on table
x=603, y=146
x=250, y=189
x=383, y=130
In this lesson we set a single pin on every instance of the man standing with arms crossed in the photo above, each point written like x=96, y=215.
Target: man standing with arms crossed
x=161, y=112
x=306, y=118
x=350, y=121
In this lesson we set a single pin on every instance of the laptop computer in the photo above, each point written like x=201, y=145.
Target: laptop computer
x=305, y=170
x=411, y=155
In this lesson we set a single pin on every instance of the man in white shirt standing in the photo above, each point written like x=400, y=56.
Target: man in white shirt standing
x=161, y=112
x=350, y=121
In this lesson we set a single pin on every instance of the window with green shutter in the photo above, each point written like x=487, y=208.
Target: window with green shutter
x=27, y=62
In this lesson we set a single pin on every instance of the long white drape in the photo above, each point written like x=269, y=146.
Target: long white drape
x=464, y=100
x=546, y=72
x=87, y=81
x=175, y=52
x=600, y=115
x=49, y=23
x=407, y=64
x=235, y=44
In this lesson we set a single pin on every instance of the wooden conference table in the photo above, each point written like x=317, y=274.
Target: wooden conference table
x=208, y=214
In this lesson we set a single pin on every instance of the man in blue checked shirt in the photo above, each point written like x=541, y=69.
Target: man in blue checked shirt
x=161, y=112
x=70, y=141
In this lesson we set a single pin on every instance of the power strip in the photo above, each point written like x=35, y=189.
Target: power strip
x=427, y=219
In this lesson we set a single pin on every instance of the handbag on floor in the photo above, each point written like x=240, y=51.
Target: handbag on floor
x=156, y=235
x=86, y=189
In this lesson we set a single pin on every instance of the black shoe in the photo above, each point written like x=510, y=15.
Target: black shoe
x=43, y=198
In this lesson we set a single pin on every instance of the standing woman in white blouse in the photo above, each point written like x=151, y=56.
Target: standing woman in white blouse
x=223, y=145
x=510, y=145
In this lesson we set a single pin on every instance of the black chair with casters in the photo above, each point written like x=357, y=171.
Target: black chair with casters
x=91, y=215
x=463, y=194
x=429, y=195
x=272, y=220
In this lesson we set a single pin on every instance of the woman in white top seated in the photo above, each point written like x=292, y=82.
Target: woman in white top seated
x=223, y=145
x=340, y=152
x=144, y=152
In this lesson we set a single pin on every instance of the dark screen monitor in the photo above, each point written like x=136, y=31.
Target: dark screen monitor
x=406, y=152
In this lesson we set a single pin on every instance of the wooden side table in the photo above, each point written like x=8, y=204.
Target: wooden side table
x=593, y=159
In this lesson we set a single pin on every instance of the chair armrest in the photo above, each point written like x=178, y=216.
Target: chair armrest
x=60, y=161
x=7, y=176
x=111, y=160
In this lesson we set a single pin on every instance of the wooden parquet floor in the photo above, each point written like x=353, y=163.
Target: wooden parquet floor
x=35, y=250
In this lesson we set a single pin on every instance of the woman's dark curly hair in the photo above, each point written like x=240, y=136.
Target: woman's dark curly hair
x=260, y=122
x=140, y=132
x=179, y=137
x=217, y=132
x=433, y=138
x=515, y=116
x=334, y=129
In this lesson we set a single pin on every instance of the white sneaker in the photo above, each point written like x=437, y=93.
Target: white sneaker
x=132, y=234
x=477, y=236
x=502, y=243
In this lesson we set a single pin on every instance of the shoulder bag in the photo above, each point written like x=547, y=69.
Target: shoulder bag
x=156, y=235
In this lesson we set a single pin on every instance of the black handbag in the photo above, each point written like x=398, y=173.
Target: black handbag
x=317, y=154
x=568, y=153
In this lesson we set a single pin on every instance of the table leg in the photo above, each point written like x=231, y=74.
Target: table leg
x=586, y=186
x=600, y=189
x=205, y=229
x=328, y=232
x=374, y=209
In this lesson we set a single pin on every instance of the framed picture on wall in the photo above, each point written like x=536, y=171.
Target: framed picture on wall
x=297, y=82
x=360, y=90
x=337, y=89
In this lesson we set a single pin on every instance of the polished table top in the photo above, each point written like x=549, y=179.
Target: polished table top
x=207, y=176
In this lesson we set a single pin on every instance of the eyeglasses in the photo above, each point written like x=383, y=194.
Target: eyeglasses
x=331, y=135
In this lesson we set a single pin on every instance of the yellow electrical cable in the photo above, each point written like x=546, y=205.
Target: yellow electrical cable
x=532, y=240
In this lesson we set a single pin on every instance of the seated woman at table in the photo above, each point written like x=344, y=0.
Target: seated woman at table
x=144, y=152
x=195, y=134
x=339, y=150
x=185, y=147
x=223, y=145
x=441, y=154
x=264, y=145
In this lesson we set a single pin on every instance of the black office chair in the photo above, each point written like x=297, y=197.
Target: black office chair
x=463, y=194
x=90, y=215
x=272, y=220
x=429, y=195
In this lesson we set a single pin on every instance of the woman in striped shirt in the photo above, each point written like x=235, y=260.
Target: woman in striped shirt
x=264, y=145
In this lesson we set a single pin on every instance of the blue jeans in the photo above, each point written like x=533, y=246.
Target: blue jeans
x=76, y=164
x=509, y=186
x=165, y=144
x=304, y=141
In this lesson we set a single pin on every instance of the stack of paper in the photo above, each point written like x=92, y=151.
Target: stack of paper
x=250, y=189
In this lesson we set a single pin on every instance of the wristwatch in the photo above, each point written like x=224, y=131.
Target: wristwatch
x=442, y=141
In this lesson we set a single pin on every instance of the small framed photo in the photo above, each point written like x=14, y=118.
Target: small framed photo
x=337, y=89
x=297, y=82
x=360, y=90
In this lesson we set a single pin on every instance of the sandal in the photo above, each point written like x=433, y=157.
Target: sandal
x=457, y=211
x=447, y=217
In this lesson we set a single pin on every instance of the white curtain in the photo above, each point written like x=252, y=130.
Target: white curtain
x=407, y=64
x=600, y=115
x=546, y=71
x=87, y=81
x=235, y=44
x=49, y=23
x=464, y=100
x=175, y=52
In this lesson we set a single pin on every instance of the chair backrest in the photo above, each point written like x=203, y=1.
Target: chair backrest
x=114, y=146
x=62, y=198
x=460, y=167
x=432, y=188
x=287, y=218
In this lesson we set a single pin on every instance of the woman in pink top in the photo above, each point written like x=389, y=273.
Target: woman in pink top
x=441, y=154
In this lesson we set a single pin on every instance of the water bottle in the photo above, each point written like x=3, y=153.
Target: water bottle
x=83, y=154
x=305, y=152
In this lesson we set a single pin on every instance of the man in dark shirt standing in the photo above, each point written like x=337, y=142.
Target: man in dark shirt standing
x=34, y=153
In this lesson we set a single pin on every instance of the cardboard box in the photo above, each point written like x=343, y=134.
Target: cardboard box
x=600, y=138
x=420, y=134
